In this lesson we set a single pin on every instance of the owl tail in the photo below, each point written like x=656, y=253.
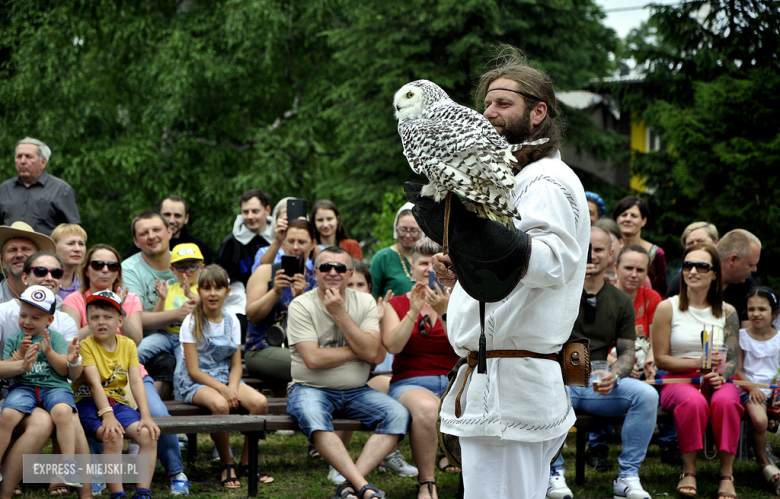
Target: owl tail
x=516, y=147
x=486, y=211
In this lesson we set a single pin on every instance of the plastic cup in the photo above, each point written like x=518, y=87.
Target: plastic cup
x=721, y=351
x=598, y=368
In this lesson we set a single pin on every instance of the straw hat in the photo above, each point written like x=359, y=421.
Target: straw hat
x=22, y=230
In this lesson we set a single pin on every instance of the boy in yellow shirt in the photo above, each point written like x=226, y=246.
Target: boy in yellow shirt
x=186, y=264
x=110, y=366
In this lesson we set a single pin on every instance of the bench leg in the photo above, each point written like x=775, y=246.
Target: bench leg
x=253, y=439
x=192, y=448
x=582, y=440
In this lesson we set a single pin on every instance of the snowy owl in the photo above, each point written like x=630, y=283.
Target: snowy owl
x=457, y=149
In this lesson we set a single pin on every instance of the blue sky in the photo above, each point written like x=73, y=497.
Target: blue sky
x=622, y=21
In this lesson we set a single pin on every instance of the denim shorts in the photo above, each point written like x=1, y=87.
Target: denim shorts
x=744, y=397
x=26, y=398
x=315, y=408
x=125, y=414
x=435, y=384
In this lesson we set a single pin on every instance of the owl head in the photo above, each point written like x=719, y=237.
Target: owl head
x=415, y=97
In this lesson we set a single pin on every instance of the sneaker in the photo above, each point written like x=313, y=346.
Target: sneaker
x=597, y=458
x=395, y=463
x=556, y=487
x=98, y=488
x=179, y=485
x=334, y=476
x=628, y=487
x=671, y=455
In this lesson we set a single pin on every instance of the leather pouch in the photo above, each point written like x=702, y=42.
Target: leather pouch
x=574, y=358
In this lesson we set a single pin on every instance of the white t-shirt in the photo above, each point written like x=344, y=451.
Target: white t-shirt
x=761, y=360
x=215, y=330
x=9, y=323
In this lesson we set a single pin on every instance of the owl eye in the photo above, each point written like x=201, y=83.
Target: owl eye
x=409, y=95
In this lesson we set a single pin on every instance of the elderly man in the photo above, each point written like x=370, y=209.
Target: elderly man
x=513, y=419
x=42, y=200
x=18, y=241
x=333, y=333
x=174, y=210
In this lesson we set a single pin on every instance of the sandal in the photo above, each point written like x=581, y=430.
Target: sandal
x=343, y=493
x=726, y=494
x=446, y=467
x=262, y=476
x=366, y=488
x=230, y=476
x=430, y=485
x=681, y=488
x=18, y=492
x=769, y=473
x=53, y=488
x=313, y=453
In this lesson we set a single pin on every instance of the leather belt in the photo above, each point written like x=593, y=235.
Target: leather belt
x=472, y=362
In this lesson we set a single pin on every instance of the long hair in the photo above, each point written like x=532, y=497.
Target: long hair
x=535, y=87
x=327, y=204
x=88, y=259
x=715, y=293
x=213, y=276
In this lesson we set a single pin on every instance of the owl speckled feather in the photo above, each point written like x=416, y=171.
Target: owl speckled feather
x=457, y=149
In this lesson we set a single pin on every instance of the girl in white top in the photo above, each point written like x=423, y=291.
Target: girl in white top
x=760, y=345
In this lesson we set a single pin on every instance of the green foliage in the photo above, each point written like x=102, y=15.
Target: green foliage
x=139, y=100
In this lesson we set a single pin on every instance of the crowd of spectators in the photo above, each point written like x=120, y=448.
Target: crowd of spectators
x=296, y=295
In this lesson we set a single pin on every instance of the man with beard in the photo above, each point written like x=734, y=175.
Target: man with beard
x=513, y=420
x=18, y=241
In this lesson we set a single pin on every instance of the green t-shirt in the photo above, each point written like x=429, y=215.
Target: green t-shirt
x=387, y=273
x=42, y=374
x=139, y=277
x=614, y=319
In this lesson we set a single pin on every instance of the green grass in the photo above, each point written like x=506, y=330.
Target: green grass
x=296, y=476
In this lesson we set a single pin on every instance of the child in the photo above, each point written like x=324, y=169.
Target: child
x=110, y=367
x=44, y=384
x=186, y=264
x=210, y=375
x=760, y=344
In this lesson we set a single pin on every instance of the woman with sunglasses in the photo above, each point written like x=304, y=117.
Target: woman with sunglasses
x=391, y=267
x=414, y=330
x=102, y=271
x=71, y=241
x=268, y=293
x=45, y=269
x=677, y=344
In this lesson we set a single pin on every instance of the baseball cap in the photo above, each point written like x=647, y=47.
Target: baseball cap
x=107, y=296
x=40, y=297
x=186, y=251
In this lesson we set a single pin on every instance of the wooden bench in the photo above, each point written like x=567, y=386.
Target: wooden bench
x=585, y=422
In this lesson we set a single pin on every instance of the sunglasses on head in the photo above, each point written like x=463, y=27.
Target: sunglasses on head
x=98, y=265
x=184, y=268
x=56, y=273
x=340, y=267
x=702, y=267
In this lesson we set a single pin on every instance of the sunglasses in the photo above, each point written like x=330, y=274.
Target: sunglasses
x=424, y=325
x=56, y=273
x=340, y=267
x=184, y=268
x=98, y=265
x=701, y=267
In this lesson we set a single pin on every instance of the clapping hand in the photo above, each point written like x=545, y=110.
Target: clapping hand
x=162, y=288
x=46, y=342
x=30, y=357
x=380, y=304
x=74, y=348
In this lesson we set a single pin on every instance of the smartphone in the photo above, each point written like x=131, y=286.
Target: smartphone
x=590, y=253
x=291, y=265
x=432, y=279
x=296, y=208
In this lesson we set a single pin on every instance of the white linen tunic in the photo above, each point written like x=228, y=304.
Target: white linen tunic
x=524, y=399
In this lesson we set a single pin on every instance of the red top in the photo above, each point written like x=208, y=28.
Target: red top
x=646, y=302
x=352, y=247
x=423, y=355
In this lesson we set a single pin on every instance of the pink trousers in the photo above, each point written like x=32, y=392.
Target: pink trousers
x=691, y=414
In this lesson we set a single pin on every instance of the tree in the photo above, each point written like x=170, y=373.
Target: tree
x=711, y=91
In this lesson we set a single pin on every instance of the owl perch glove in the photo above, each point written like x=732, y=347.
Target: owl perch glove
x=488, y=257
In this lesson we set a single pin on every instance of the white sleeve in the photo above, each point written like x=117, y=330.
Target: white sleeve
x=185, y=332
x=550, y=221
x=67, y=326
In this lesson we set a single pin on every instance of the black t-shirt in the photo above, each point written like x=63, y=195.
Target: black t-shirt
x=614, y=318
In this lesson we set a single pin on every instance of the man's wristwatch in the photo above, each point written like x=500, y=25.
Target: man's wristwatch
x=77, y=364
x=617, y=379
